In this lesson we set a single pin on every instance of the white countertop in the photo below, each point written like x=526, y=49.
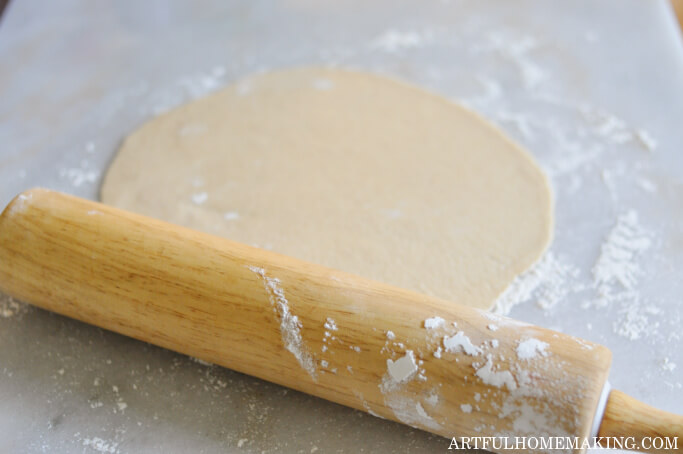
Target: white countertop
x=588, y=87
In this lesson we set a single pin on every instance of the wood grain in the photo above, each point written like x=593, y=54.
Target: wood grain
x=228, y=303
x=678, y=11
x=635, y=422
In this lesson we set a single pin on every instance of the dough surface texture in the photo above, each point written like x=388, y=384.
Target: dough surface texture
x=350, y=170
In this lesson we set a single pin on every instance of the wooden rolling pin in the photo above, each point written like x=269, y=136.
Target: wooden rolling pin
x=432, y=364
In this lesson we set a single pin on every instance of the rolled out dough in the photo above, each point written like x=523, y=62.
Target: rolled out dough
x=354, y=171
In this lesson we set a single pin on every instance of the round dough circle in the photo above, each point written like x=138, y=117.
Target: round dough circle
x=351, y=170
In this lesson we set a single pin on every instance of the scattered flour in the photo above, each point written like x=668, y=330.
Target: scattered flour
x=100, y=445
x=433, y=322
x=393, y=41
x=187, y=88
x=330, y=324
x=78, y=176
x=200, y=361
x=199, y=198
x=495, y=378
x=634, y=319
x=410, y=412
x=608, y=126
x=201, y=84
x=9, y=307
x=616, y=275
x=404, y=406
x=466, y=408
x=616, y=270
x=460, y=342
x=546, y=283
x=646, y=140
x=530, y=348
x=516, y=50
x=668, y=365
x=432, y=399
x=646, y=185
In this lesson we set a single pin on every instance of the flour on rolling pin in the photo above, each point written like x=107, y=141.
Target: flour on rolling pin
x=495, y=370
x=511, y=380
x=406, y=366
x=290, y=326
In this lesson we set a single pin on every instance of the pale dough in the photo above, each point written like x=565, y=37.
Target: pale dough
x=355, y=171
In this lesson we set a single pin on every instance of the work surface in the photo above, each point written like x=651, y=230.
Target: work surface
x=593, y=90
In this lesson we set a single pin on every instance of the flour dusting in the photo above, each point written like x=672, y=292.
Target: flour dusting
x=668, y=365
x=434, y=322
x=101, y=445
x=199, y=198
x=78, y=176
x=497, y=378
x=410, y=412
x=546, y=283
x=290, y=326
x=393, y=41
x=460, y=342
x=617, y=270
x=404, y=406
x=634, y=319
x=530, y=348
x=9, y=307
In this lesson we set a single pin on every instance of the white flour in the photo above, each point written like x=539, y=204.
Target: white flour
x=616, y=272
x=401, y=370
x=393, y=41
x=330, y=324
x=546, y=283
x=433, y=322
x=290, y=326
x=530, y=348
x=199, y=198
x=101, y=445
x=406, y=408
x=489, y=376
x=668, y=365
x=633, y=319
x=460, y=342
x=517, y=50
x=410, y=412
x=9, y=307
x=80, y=175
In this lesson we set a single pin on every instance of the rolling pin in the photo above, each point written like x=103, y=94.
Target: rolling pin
x=446, y=368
